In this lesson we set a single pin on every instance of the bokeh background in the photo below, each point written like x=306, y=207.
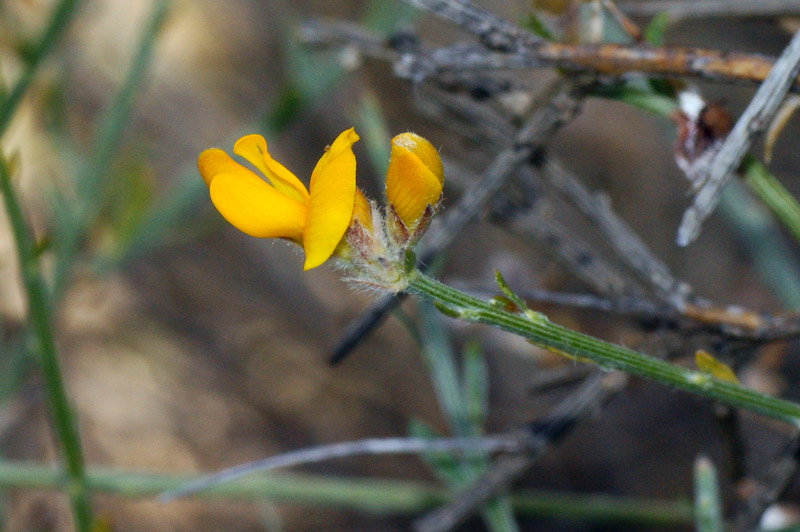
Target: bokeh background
x=189, y=347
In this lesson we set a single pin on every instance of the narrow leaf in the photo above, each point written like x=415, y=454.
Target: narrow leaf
x=719, y=370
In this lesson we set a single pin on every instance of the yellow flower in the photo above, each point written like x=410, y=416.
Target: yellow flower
x=332, y=217
x=414, y=178
x=316, y=218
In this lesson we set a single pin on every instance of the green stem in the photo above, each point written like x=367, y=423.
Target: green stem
x=600, y=508
x=540, y=331
x=707, y=504
x=371, y=495
x=772, y=192
x=58, y=22
x=105, y=147
x=41, y=323
x=758, y=231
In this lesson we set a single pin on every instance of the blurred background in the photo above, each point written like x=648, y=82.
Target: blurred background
x=189, y=347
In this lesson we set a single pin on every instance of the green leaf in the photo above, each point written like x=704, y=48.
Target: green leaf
x=537, y=27
x=708, y=507
x=371, y=125
x=444, y=465
x=656, y=29
x=642, y=97
x=719, y=370
x=385, y=16
x=441, y=365
x=506, y=290
x=286, y=108
x=475, y=386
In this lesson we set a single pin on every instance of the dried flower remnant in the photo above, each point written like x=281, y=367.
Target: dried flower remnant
x=702, y=128
x=332, y=218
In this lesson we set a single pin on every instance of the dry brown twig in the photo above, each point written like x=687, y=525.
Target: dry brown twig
x=628, y=245
x=679, y=9
x=573, y=252
x=513, y=442
x=596, y=59
x=493, y=32
x=521, y=49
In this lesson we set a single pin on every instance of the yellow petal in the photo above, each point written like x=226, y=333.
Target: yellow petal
x=330, y=204
x=423, y=149
x=414, y=178
x=256, y=208
x=362, y=211
x=214, y=161
x=253, y=148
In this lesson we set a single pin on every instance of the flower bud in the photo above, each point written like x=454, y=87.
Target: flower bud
x=414, y=178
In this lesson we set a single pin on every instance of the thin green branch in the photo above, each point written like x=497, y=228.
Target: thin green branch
x=774, y=195
x=369, y=495
x=39, y=311
x=772, y=256
x=707, y=503
x=41, y=322
x=105, y=148
x=58, y=22
x=599, y=508
x=540, y=331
